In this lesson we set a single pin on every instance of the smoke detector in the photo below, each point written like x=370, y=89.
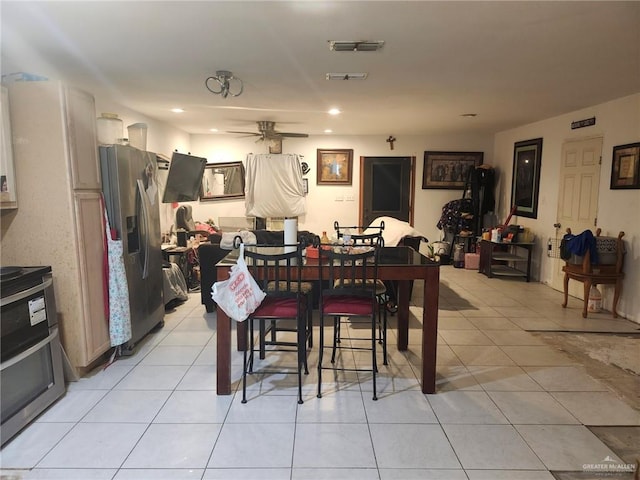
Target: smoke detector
x=355, y=46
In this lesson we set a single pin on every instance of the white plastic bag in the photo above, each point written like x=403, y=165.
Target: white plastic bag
x=239, y=295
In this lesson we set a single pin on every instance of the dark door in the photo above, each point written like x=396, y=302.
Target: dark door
x=387, y=188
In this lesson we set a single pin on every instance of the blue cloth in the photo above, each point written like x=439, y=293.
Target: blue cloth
x=579, y=244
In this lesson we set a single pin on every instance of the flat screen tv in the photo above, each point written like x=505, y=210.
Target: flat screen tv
x=184, y=180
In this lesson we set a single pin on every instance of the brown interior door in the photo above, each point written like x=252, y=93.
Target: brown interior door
x=386, y=188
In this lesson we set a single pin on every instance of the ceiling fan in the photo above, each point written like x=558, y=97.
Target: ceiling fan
x=267, y=131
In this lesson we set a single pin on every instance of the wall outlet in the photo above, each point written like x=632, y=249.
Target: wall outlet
x=339, y=198
x=349, y=198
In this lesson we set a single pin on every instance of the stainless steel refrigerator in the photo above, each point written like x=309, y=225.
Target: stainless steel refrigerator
x=129, y=184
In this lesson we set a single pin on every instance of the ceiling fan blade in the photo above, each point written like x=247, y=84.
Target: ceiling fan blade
x=266, y=131
x=292, y=135
x=257, y=109
x=250, y=134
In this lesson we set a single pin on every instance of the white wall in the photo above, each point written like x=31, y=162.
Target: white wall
x=322, y=207
x=618, y=122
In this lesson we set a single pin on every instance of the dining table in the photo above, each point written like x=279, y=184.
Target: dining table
x=401, y=265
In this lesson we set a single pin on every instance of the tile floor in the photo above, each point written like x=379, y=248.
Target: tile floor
x=508, y=406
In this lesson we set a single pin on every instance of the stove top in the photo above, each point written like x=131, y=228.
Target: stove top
x=14, y=279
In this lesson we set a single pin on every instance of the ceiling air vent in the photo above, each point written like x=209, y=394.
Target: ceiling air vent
x=353, y=46
x=346, y=76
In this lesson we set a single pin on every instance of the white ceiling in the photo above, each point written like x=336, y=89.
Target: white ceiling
x=511, y=63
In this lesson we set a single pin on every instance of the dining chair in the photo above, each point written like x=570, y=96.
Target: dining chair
x=348, y=291
x=278, y=271
x=373, y=238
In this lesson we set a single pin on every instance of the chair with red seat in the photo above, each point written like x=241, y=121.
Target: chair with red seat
x=373, y=237
x=348, y=291
x=278, y=272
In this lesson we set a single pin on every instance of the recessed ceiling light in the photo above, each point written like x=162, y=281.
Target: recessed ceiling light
x=328, y=130
x=355, y=46
x=346, y=76
x=334, y=111
x=469, y=115
x=177, y=110
x=213, y=129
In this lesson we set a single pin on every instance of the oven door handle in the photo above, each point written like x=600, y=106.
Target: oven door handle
x=25, y=293
x=29, y=351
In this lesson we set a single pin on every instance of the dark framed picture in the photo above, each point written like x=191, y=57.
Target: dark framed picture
x=625, y=167
x=525, y=183
x=222, y=181
x=335, y=167
x=449, y=169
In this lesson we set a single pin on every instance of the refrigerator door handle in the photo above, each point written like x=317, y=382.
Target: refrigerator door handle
x=145, y=229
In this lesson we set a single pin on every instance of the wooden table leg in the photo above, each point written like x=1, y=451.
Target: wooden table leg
x=430, y=330
x=223, y=339
x=616, y=296
x=403, y=315
x=587, y=289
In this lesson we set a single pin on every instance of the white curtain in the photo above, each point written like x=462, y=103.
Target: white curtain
x=273, y=186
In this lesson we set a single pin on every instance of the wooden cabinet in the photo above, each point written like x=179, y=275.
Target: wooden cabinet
x=59, y=220
x=505, y=259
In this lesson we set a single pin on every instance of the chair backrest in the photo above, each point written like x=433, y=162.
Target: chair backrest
x=278, y=268
x=352, y=271
x=184, y=218
x=610, y=251
x=368, y=239
x=354, y=230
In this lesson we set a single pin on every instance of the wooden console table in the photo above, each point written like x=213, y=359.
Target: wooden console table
x=505, y=259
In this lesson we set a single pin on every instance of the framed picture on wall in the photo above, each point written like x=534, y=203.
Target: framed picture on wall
x=625, y=167
x=335, y=167
x=525, y=183
x=222, y=181
x=448, y=169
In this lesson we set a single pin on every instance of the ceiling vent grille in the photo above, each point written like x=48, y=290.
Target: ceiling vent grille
x=346, y=76
x=354, y=46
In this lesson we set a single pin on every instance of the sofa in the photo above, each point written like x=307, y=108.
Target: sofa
x=210, y=253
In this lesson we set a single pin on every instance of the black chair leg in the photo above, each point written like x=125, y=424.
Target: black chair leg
x=302, y=355
x=251, y=345
x=384, y=338
x=374, y=367
x=320, y=352
x=245, y=366
x=263, y=330
x=309, y=301
x=336, y=338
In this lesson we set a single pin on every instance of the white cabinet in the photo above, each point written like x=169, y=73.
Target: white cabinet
x=59, y=221
x=8, y=198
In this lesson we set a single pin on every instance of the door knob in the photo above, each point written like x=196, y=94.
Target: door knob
x=556, y=225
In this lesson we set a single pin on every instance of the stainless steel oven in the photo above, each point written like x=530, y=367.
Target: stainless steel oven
x=30, y=353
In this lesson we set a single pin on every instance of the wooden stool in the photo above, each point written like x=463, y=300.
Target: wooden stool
x=598, y=274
